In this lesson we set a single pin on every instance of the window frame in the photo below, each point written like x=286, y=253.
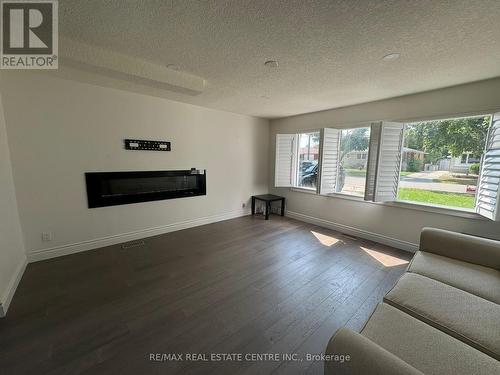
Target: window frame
x=417, y=206
x=357, y=158
x=340, y=128
x=297, y=162
x=433, y=207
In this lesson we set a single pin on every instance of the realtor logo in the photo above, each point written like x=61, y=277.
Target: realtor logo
x=29, y=35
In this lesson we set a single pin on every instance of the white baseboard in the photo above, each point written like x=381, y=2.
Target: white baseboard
x=42, y=254
x=11, y=288
x=390, y=241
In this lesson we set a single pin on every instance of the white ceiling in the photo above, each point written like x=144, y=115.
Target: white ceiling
x=329, y=52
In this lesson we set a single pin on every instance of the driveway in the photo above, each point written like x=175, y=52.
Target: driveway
x=418, y=180
x=434, y=175
x=354, y=184
x=425, y=181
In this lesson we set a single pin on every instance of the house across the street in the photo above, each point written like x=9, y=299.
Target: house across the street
x=358, y=159
x=459, y=164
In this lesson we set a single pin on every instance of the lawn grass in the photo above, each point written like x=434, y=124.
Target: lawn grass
x=362, y=172
x=437, y=197
x=457, y=181
x=355, y=172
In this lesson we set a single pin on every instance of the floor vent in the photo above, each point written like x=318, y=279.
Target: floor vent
x=129, y=245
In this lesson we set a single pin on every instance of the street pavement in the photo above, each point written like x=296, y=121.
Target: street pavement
x=420, y=180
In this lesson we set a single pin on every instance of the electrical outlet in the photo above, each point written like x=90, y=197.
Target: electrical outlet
x=47, y=236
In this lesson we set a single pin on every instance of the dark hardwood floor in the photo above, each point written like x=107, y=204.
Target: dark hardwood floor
x=239, y=286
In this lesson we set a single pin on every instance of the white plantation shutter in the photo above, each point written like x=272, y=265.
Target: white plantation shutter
x=329, y=160
x=371, y=165
x=389, y=162
x=284, y=167
x=488, y=195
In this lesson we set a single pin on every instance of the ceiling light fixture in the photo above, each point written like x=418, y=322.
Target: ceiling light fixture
x=271, y=63
x=391, y=57
x=173, y=66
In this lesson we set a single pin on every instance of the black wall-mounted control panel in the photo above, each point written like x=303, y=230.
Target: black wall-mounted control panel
x=141, y=144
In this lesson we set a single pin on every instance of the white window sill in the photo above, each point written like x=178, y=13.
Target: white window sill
x=463, y=213
x=303, y=190
x=345, y=196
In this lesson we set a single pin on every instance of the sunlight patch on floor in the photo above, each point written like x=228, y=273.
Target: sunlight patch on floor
x=324, y=239
x=386, y=259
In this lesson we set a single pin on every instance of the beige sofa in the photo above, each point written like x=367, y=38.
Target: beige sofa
x=442, y=316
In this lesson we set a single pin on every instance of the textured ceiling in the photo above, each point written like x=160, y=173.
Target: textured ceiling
x=329, y=52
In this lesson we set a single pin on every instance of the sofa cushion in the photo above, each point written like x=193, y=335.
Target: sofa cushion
x=365, y=357
x=479, y=280
x=424, y=347
x=464, y=247
x=471, y=319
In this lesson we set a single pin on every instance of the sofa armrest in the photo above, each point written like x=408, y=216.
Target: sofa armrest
x=365, y=357
x=462, y=247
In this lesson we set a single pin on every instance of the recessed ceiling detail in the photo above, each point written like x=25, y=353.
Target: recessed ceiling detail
x=271, y=63
x=120, y=66
x=391, y=57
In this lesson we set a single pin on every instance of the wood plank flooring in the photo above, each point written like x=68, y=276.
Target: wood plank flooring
x=239, y=286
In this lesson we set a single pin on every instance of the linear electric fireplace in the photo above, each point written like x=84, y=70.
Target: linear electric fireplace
x=114, y=188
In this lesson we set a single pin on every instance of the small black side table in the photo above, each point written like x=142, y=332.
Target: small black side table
x=268, y=198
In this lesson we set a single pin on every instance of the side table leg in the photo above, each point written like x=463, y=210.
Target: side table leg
x=283, y=207
x=267, y=210
x=253, y=205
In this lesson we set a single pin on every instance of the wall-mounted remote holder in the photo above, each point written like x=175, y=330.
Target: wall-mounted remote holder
x=140, y=144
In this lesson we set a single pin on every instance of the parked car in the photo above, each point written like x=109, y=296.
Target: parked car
x=306, y=164
x=310, y=176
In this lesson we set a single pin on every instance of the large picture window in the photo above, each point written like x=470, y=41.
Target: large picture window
x=441, y=161
x=452, y=163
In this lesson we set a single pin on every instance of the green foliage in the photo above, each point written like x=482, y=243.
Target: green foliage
x=444, y=137
x=442, y=198
x=414, y=136
x=414, y=165
x=474, y=168
x=354, y=140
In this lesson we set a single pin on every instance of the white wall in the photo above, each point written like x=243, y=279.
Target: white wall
x=400, y=226
x=58, y=129
x=12, y=256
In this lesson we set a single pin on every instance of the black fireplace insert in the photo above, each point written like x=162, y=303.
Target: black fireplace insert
x=115, y=188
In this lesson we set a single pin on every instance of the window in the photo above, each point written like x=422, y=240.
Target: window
x=474, y=159
x=297, y=157
x=352, y=172
x=308, y=156
x=453, y=163
x=447, y=172
x=343, y=166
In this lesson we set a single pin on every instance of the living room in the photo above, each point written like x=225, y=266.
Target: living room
x=250, y=187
